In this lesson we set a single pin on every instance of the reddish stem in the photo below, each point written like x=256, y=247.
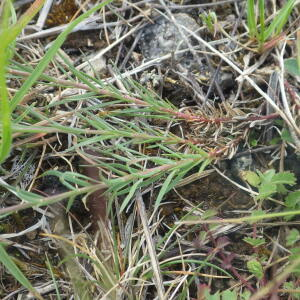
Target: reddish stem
x=292, y=93
x=230, y=267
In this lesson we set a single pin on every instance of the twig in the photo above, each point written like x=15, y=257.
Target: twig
x=198, y=5
x=151, y=248
x=102, y=52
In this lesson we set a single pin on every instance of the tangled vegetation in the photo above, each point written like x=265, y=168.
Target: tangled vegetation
x=127, y=177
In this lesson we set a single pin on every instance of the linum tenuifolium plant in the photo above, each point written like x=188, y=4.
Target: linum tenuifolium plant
x=258, y=27
x=176, y=165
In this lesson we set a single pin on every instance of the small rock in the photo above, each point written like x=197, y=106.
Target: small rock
x=96, y=66
x=163, y=37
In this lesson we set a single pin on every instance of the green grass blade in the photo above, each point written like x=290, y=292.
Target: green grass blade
x=15, y=271
x=8, y=34
x=251, y=20
x=130, y=194
x=50, y=268
x=165, y=188
x=50, y=54
x=5, y=53
x=261, y=9
x=6, y=137
x=298, y=49
x=280, y=20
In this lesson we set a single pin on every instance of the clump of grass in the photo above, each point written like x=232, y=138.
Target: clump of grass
x=8, y=35
x=258, y=29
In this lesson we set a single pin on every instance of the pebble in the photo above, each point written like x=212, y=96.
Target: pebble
x=163, y=37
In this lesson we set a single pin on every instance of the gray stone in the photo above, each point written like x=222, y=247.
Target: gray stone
x=163, y=37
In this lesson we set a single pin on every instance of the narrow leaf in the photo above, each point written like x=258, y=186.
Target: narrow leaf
x=7, y=261
x=50, y=54
x=130, y=194
x=165, y=187
x=251, y=20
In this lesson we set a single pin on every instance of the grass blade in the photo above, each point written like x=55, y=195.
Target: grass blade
x=251, y=20
x=8, y=34
x=261, y=8
x=165, y=188
x=50, y=54
x=130, y=194
x=280, y=20
x=15, y=271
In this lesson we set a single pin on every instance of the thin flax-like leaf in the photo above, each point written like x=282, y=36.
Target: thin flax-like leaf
x=84, y=78
x=165, y=188
x=261, y=9
x=74, y=98
x=195, y=261
x=204, y=165
x=16, y=29
x=146, y=182
x=5, y=114
x=162, y=161
x=72, y=177
x=50, y=267
x=130, y=194
x=251, y=19
x=170, y=152
x=50, y=54
x=91, y=141
x=280, y=20
x=24, y=195
x=199, y=151
x=115, y=168
x=8, y=34
x=97, y=122
x=39, y=129
x=15, y=271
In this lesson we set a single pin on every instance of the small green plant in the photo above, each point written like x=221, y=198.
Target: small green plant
x=256, y=22
x=255, y=267
x=269, y=182
x=210, y=20
x=225, y=295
